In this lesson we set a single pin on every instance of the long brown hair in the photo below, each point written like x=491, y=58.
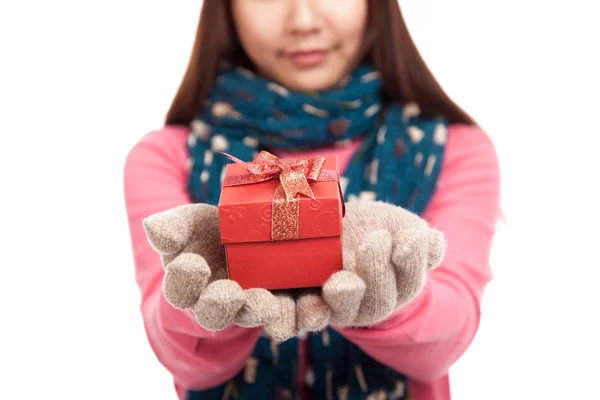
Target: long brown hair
x=388, y=46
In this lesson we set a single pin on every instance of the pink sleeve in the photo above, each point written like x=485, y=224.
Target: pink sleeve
x=426, y=337
x=155, y=180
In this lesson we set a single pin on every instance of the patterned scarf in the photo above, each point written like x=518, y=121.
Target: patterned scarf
x=398, y=161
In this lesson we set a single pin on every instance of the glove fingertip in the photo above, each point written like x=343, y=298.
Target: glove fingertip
x=284, y=327
x=344, y=282
x=437, y=249
x=375, y=247
x=312, y=313
x=343, y=292
x=166, y=232
x=261, y=308
x=219, y=303
x=406, y=243
x=185, y=278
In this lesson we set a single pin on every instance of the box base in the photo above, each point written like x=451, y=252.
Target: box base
x=291, y=264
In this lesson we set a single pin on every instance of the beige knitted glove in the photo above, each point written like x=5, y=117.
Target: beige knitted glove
x=188, y=240
x=387, y=253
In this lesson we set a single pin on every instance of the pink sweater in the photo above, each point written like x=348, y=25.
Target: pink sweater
x=422, y=340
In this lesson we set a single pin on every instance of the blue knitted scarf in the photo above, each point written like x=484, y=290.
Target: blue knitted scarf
x=398, y=162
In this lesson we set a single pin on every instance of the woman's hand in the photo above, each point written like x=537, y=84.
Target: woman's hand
x=188, y=240
x=387, y=253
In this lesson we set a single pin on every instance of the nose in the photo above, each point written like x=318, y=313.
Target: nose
x=304, y=17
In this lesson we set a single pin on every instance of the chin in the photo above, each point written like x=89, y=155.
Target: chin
x=310, y=81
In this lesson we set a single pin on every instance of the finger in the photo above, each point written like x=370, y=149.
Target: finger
x=166, y=232
x=312, y=312
x=437, y=249
x=261, y=308
x=410, y=259
x=284, y=327
x=185, y=278
x=375, y=268
x=218, y=304
x=343, y=292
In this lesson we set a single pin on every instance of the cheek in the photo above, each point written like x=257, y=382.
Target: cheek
x=348, y=18
x=257, y=30
x=257, y=46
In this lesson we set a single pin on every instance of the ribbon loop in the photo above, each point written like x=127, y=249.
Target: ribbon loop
x=295, y=183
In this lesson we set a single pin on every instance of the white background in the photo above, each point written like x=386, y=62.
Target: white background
x=81, y=82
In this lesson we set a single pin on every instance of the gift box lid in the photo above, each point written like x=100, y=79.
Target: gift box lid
x=245, y=210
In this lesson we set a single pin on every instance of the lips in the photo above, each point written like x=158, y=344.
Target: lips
x=309, y=58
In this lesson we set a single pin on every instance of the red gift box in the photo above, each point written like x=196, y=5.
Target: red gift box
x=281, y=221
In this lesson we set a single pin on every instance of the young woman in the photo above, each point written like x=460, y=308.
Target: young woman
x=302, y=78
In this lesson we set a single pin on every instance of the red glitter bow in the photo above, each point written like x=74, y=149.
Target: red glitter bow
x=293, y=174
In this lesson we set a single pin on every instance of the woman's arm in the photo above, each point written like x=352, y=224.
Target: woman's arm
x=426, y=337
x=155, y=179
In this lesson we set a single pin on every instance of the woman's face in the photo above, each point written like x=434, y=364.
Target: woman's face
x=304, y=45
